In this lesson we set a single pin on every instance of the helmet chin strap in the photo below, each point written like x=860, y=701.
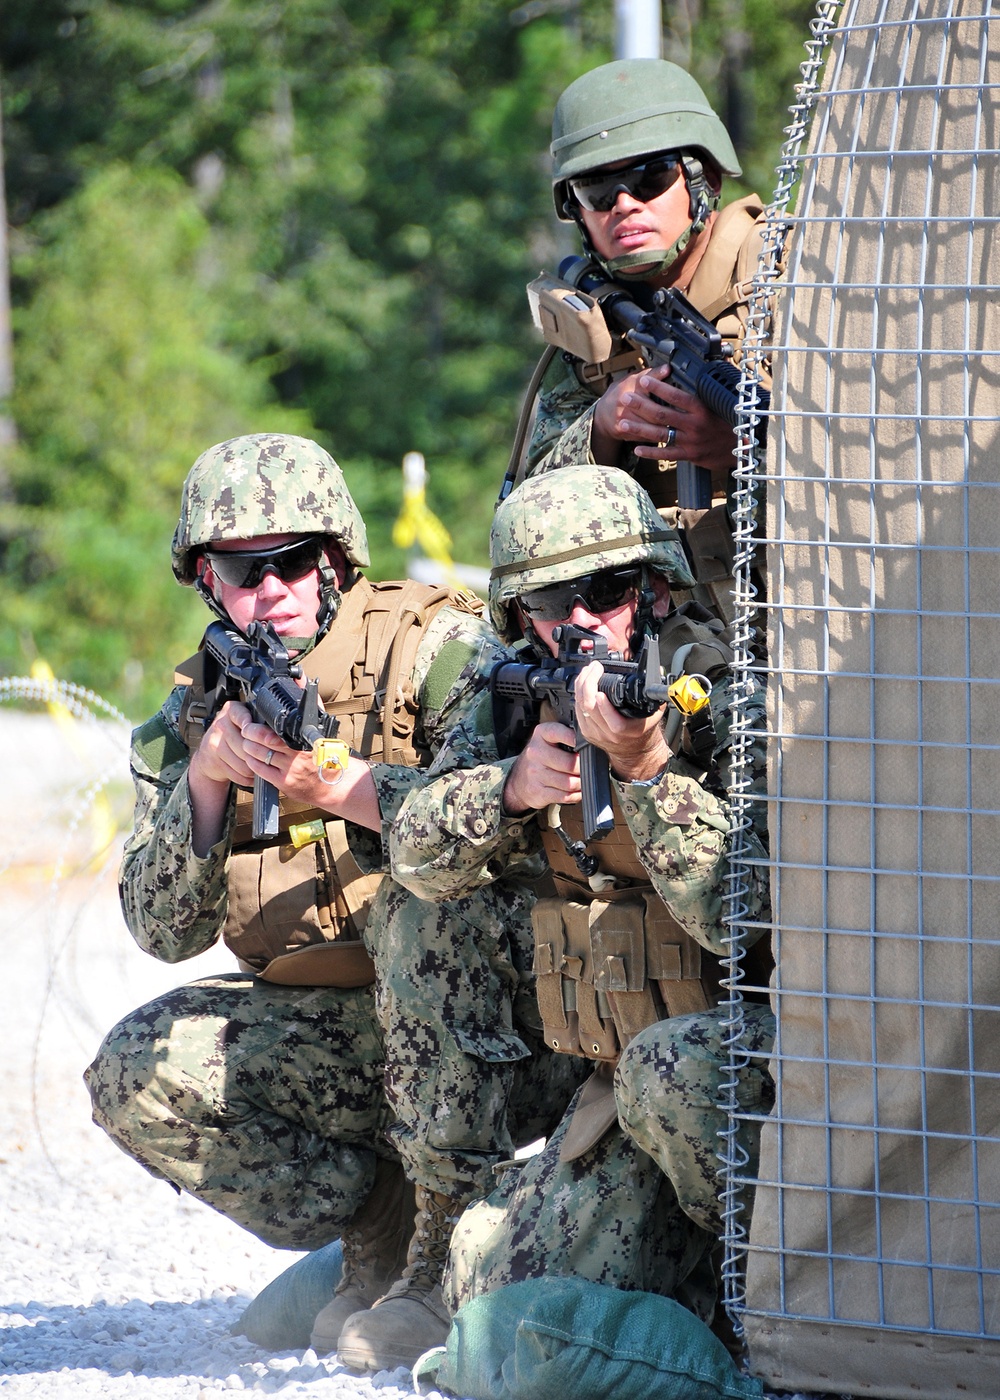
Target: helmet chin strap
x=702, y=201
x=330, y=598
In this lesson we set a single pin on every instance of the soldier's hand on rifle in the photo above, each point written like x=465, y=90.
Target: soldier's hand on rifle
x=546, y=771
x=220, y=758
x=661, y=423
x=627, y=412
x=217, y=762
x=636, y=748
x=294, y=773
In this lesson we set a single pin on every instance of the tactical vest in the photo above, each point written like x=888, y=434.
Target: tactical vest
x=610, y=959
x=298, y=902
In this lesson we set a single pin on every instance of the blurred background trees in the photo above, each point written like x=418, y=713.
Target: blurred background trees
x=297, y=215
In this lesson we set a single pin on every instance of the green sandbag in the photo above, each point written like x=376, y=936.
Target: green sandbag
x=568, y=1337
x=282, y=1314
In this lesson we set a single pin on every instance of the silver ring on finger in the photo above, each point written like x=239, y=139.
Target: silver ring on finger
x=671, y=437
x=270, y=757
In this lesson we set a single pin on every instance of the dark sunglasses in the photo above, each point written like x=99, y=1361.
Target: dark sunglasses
x=245, y=568
x=644, y=181
x=599, y=593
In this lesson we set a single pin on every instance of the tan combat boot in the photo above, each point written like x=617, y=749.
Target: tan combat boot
x=375, y=1244
x=410, y=1318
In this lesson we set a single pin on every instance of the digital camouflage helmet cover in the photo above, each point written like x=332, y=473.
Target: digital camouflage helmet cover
x=267, y=484
x=557, y=526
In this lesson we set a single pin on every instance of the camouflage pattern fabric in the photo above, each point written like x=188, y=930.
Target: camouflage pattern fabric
x=264, y=1102
x=609, y=1216
x=161, y=1089
x=462, y=1031
x=452, y=835
x=564, y=422
x=175, y=902
x=265, y=484
x=667, y=1087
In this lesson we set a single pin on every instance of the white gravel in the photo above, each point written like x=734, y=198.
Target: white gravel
x=111, y=1284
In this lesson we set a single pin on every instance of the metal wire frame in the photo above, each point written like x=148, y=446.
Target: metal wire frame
x=753, y=479
x=748, y=476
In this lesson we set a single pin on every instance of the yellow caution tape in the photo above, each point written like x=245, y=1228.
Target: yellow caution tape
x=417, y=523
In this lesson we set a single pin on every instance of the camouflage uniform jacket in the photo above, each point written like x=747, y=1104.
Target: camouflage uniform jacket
x=174, y=901
x=564, y=419
x=452, y=834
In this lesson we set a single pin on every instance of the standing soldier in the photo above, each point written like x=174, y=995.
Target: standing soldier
x=292, y=1095
x=627, y=948
x=638, y=161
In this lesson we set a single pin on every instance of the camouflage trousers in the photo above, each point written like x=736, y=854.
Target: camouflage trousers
x=639, y=1210
x=667, y=1087
x=264, y=1102
x=468, y=1075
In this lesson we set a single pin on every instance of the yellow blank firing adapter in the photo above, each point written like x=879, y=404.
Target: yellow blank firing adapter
x=690, y=693
x=306, y=832
x=332, y=757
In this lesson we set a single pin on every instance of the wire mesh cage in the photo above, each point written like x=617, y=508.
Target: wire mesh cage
x=873, y=1257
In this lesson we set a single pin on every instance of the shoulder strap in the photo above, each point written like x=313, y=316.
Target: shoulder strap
x=730, y=258
x=416, y=606
x=514, y=474
x=332, y=662
x=365, y=662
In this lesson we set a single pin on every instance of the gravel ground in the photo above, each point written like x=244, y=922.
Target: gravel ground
x=111, y=1284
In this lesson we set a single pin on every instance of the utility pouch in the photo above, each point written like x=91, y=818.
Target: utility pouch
x=296, y=914
x=606, y=969
x=569, y=319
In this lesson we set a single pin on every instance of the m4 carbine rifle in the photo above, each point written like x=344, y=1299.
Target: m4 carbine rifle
x=635, y=688
x=673, y=333
x=257, y=671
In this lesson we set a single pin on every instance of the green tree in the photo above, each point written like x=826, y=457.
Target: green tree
x=122, y=380
x=370, y=190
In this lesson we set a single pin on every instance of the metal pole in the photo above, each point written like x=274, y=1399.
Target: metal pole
x=638, y=29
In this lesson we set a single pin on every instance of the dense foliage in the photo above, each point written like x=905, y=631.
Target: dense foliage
x=306, y=215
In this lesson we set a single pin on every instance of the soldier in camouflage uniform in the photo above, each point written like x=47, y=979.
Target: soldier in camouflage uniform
x=638, y=161
x=627, y=954
x=285, y=1094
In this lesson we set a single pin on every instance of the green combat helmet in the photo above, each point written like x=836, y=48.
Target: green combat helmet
x=577, y=520
x=267, y=484
x=630, y=108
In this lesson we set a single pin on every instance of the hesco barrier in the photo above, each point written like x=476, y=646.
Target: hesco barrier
x=873, y=1263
